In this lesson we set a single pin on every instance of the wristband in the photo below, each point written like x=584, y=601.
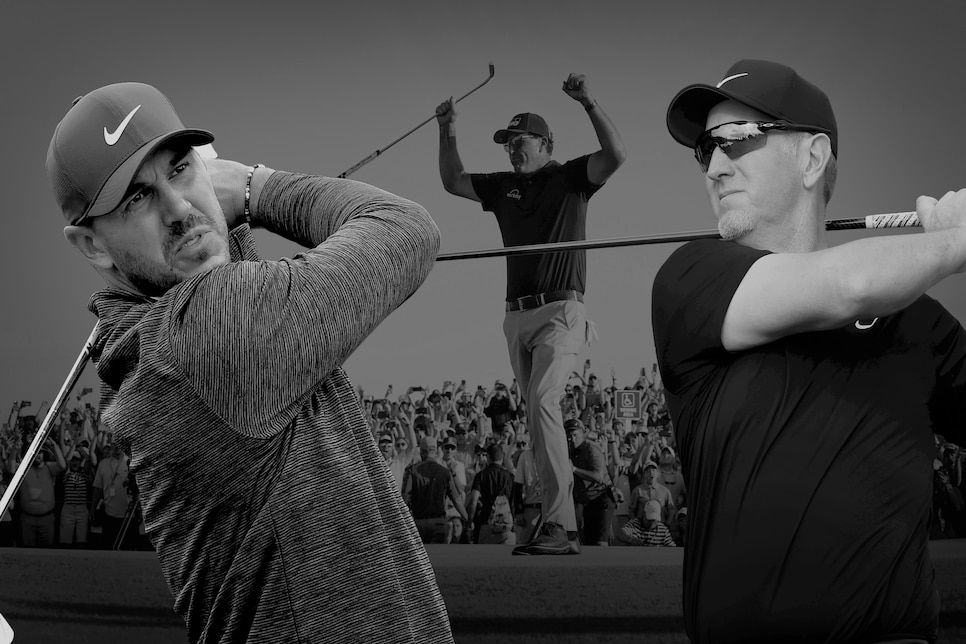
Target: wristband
x=592, y=106
x=246, y=216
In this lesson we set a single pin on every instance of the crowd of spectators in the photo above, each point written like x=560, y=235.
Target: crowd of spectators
x=460, y=457
x=77, y=491
x=479, y=435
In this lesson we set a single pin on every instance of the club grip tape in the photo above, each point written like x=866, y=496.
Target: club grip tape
x=892, y=220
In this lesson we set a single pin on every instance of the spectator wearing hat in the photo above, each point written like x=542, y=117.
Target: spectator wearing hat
x=75, y=511
x=491, y=492
x=648, y=529
x=651, y=490
x=669, y=475
x=592, y=484
x=545, y=325
x=458, y=471
x=37, y=500
x=427, y=484
x=679, y=527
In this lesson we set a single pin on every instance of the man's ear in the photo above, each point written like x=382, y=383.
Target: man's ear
x=819, y=153
x=87, y=242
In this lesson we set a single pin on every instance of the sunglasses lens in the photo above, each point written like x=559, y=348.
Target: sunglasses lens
x=734, y=139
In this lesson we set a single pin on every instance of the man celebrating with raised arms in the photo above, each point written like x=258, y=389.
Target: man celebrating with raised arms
x=274, y=517
x=541, y=201
x=805, y=381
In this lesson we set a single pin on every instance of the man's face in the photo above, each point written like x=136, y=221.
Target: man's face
x=385, y=446
x=650, y=474
x=528, y=152
x=575, y=437
x=758, y=189
x=169, y=226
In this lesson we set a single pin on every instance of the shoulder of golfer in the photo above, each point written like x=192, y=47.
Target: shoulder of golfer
x=298, y=319
x=787, y=293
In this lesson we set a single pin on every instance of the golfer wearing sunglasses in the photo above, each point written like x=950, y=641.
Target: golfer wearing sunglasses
x=805, y=381
x=541, y=201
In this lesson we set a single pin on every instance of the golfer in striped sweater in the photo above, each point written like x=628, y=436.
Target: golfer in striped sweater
x=273, y=514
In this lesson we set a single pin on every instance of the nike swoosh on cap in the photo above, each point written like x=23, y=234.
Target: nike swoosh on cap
x=113, y=137
x=862, y=327
x=730, y=78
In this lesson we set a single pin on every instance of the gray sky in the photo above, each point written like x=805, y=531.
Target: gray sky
x=304, y=87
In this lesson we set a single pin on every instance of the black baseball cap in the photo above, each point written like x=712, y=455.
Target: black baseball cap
x=525, y=123
x=771, y=88
x=572, y=424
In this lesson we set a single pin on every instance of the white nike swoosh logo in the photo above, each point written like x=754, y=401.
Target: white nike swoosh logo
x=730, y=78
x=113, y=137
x=863, y=327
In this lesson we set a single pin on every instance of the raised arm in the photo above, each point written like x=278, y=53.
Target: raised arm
x=455, y=180
x=605, y=161
x=284, y=326
x=787, y=293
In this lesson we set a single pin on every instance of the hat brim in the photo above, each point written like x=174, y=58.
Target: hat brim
x=502, y=136
x=687, y=115
x=114, y=189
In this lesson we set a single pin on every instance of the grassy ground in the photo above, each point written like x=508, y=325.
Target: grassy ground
x=605, y=595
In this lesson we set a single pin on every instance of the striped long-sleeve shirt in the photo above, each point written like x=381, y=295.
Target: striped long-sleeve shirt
x=273, y=514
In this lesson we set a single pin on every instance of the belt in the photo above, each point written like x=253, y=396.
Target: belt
x=37, y=516
x=528, y=302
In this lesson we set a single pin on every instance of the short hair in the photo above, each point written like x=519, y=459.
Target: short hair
x=831, y=174
x=495, y=453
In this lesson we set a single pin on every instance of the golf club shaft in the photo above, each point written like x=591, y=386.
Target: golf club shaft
x=379, y=152
x=45, y=427
x=891, y=220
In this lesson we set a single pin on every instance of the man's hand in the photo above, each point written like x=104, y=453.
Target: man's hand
x=446, y=112
x=576, y=88
x=948, y=212
x=228, y=179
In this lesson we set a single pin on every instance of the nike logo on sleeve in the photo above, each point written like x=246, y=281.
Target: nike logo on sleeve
x=113, y=137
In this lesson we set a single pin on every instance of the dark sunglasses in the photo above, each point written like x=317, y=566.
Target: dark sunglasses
x=741, y=137
x=518, y=141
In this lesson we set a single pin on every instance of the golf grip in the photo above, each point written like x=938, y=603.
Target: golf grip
x=891, y=220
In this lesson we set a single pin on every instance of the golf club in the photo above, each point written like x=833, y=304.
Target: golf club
x=378, y=152
x=890, y=220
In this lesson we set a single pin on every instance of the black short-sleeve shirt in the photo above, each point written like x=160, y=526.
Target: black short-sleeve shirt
x=549, y=205
x=808, y=460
